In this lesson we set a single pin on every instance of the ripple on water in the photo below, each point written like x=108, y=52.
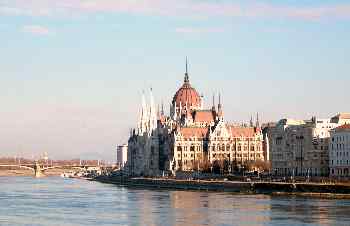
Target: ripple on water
x=63, y=202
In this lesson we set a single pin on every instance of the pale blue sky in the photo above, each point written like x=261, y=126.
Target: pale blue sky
x=71, y=71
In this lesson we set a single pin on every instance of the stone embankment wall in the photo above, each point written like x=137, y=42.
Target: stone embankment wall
x=313, y=189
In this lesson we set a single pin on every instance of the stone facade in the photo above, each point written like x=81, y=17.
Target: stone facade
x=190, y=138
x=339, y=149
x=301, y=147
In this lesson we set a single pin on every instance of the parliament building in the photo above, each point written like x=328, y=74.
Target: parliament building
x=190, y=138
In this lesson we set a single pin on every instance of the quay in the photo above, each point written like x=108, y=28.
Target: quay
x=319, y=190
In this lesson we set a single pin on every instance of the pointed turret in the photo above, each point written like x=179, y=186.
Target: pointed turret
x=251, y=124
x=257, y=123
x=158, y=111
x=143, y=121
x=220, y=112
x=162, y=110
x=187, y=79
x=152, y=114
x=213, y=107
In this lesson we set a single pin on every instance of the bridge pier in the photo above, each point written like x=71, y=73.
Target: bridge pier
x=37, y=170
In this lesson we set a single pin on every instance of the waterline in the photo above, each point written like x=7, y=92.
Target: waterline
x=58, y=201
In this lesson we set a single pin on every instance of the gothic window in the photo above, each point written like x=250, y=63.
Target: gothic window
x=192, y=148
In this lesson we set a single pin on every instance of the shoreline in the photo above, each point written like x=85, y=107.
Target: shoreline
x=28, y=173
x=309, y=190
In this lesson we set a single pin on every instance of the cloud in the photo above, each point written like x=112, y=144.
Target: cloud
x=335, y=11
x=36, y=30
x=178, y=8
x=192, y=30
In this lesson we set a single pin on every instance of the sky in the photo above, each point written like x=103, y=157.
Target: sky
x=72, y=71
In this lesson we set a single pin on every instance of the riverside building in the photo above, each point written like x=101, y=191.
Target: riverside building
x=122, y=155
x=301, y=147
x=190, y=138
x=339, y=149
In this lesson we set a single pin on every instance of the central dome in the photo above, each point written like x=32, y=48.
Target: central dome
x=187, y=95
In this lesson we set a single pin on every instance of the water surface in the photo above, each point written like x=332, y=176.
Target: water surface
x=63, y=202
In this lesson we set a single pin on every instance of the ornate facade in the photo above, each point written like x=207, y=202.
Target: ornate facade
x=190, y=138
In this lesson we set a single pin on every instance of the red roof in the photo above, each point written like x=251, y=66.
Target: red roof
x=344, y=115
x=203, y=116
x=345, y=126
x=194, y=132
x=242, y=131
x=187, y=94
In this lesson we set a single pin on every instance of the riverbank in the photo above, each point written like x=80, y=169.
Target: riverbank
x=10, y=173
x=319, y=190
x=28, y=173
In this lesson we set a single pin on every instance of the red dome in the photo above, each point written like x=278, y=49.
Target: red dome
x=187, y=94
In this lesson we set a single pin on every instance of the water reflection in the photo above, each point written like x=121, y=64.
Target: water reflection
x=311, y=210
x=54, y=201
x=180, y=208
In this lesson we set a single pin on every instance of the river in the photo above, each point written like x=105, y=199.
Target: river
x=63, y=202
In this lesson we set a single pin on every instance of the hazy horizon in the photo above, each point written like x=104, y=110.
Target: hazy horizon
x=72, y=72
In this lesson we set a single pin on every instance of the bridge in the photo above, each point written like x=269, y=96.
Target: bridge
x=39, y=169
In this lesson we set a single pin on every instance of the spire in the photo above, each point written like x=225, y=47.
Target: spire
x=257, y=124
x=158, y=111
x=143, y=103
x=143, y=115
x=213, y=107
x=251, y=121
x=186, y=80
x=220, y=113
x=152, y=114
x=162, y=110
